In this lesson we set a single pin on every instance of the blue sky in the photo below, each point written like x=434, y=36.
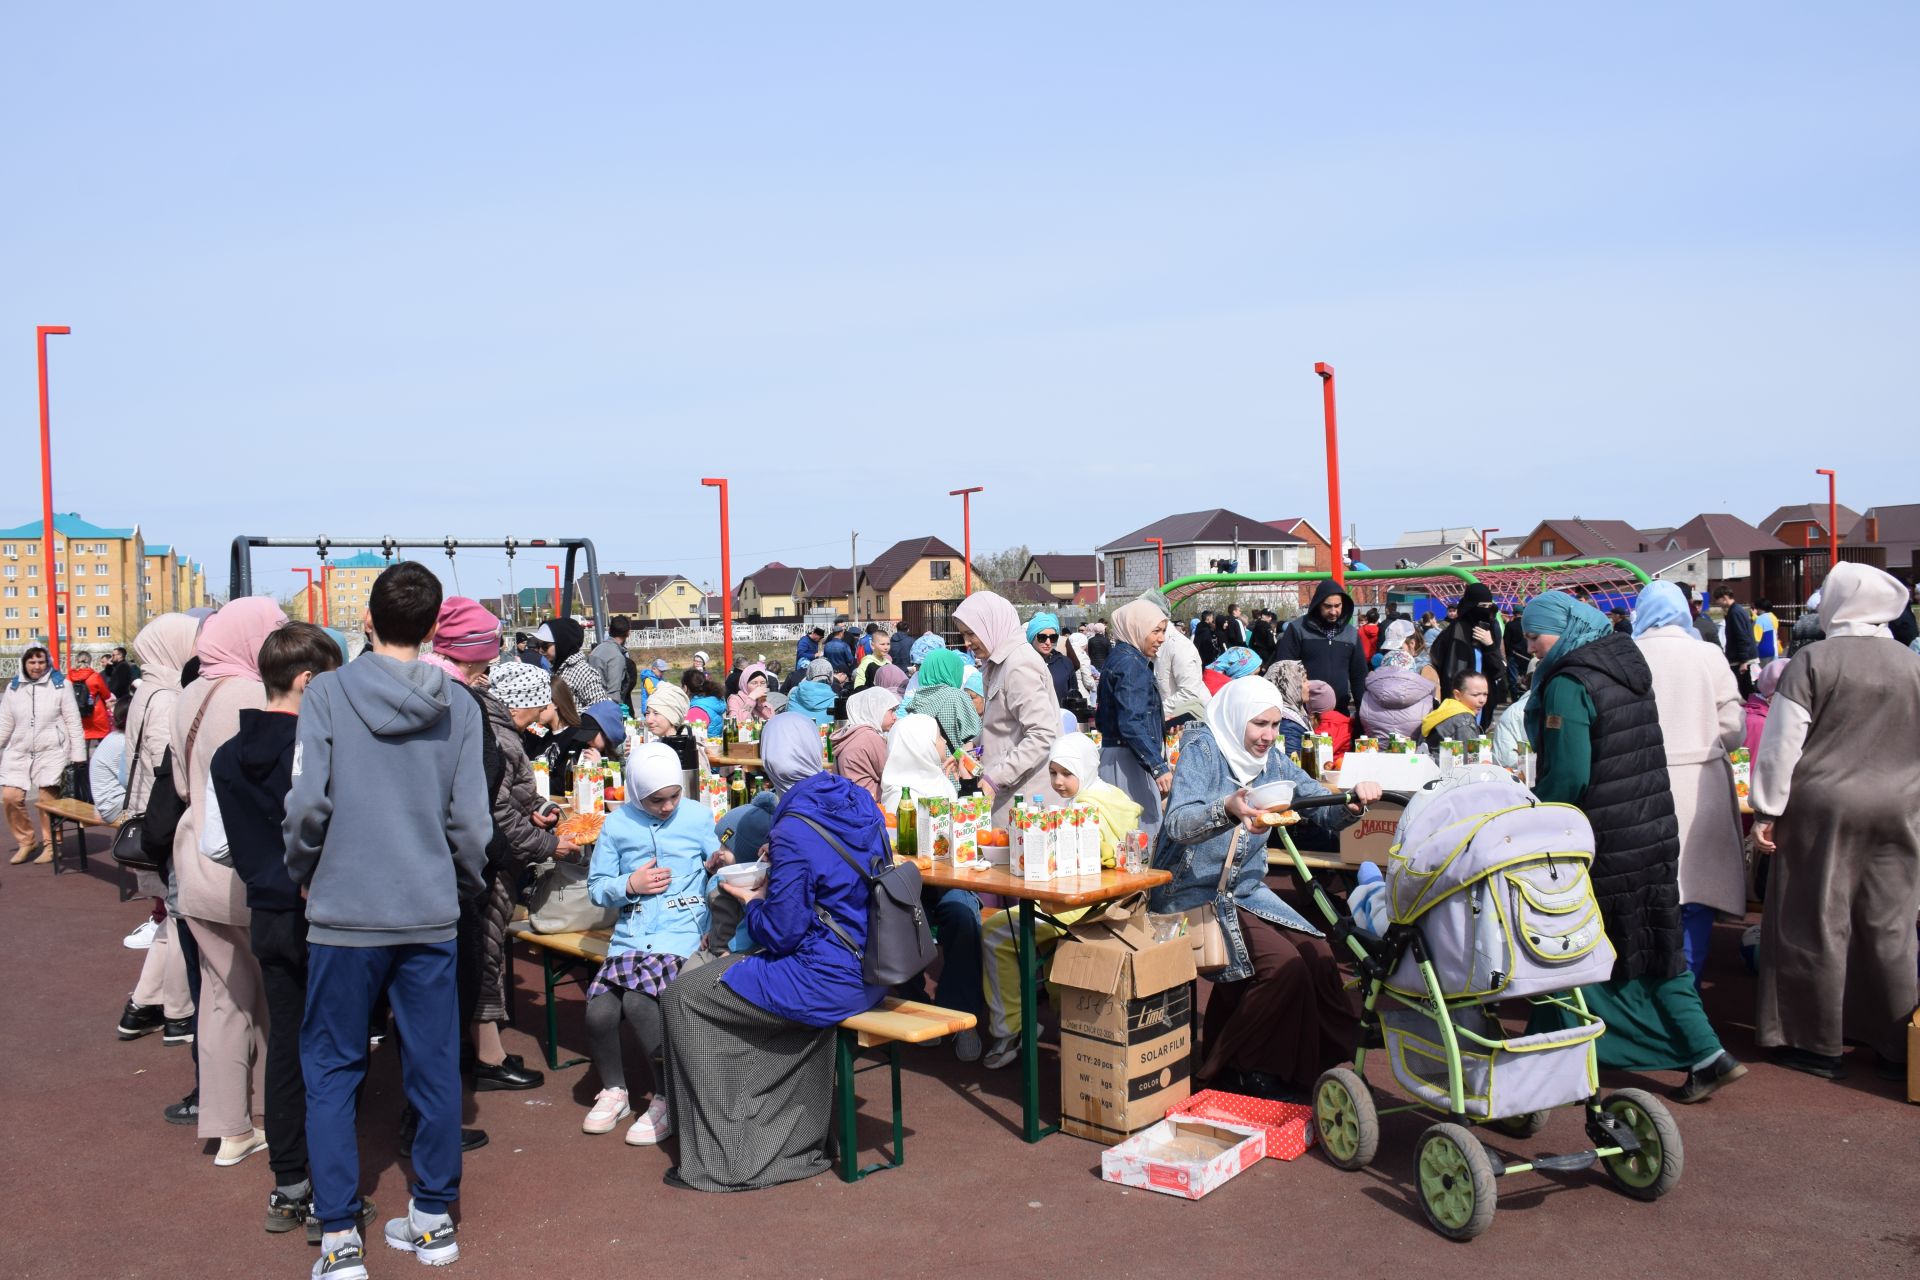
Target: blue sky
x=484, y=268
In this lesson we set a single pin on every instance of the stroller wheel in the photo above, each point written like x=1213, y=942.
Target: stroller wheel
x=1652, y=1171
x=1345, y=1118
x=1524, y=1125
x=1456, y=1181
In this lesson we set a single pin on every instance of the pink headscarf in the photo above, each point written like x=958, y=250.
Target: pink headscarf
x=440, y=660
x=891, y=677
x=230, y=640
x=992, y=618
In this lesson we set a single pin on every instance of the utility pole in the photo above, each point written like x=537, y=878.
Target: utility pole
x=853, y=588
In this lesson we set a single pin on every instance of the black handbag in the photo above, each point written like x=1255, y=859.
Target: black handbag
x=76, y=783
x=129, y=843
x=165, y=808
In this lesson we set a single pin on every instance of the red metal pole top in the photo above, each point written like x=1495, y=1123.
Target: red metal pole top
x=955, y=493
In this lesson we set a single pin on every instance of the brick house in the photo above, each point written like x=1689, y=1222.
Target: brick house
x=1804, y=524
x=768, y=594
x=1196, y=542
x=1065, y=578
x=917, y=581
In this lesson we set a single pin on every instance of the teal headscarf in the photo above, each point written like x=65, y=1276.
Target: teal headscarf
x=942, y=677
x=1661, y=604
x=1042, y=622
x=1236, y=662
x=942, y=667
x=1557, y=614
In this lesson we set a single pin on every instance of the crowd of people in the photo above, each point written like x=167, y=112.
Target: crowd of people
x=352, y=833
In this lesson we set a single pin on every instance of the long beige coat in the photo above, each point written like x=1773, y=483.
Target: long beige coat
x=1017, y=732
x=208, y=891
x=1701, y=719
x=40, y=732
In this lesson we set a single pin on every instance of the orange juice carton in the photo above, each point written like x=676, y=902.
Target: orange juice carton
x=1083, y=826
x=937, y=833
x=1742, y=771
x=968, y=819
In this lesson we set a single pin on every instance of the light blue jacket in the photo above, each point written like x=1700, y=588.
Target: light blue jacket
x=669, y=923
x=1196, y=833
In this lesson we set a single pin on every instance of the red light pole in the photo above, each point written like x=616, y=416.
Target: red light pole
x=1483, y=542
x=40, y=335
x=1833, y=508
x=726, y=574
x=1325, y=371
x=1160, y=550
x=556, y=589
x=326, y=600
x=966, y=531
x=309, y=574
x=60, y=611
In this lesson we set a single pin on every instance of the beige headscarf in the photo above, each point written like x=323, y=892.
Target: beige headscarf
x=993, y=618
x=1860, y=600
x=1134, y=621
x=671, y=701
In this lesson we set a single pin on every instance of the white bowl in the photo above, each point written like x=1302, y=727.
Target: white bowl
x=744, y=875
x=1274, y=795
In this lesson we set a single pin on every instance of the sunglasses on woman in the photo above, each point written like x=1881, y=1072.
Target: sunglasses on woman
x=1046, y=637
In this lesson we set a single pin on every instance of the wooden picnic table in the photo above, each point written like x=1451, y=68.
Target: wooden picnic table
x=1063, y=893
x=77, y=814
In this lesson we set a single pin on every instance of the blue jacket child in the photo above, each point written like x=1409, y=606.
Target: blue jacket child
x=673, y=921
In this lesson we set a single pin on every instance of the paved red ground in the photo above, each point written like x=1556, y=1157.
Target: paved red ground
x=1785, y=1176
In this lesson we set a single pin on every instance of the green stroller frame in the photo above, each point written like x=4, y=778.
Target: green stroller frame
x=1633, y=1135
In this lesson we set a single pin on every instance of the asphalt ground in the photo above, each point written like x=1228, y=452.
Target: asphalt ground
x=1785, y=1175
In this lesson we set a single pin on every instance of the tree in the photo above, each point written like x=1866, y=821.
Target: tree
x=999, y=569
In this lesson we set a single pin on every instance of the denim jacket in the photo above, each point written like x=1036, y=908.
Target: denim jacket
x=1129, y=711
x=1196, y=833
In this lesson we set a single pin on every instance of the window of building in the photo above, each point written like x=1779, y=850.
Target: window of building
x=12, y=592
x=32, y=590
x=13, y=612
x=680, y=589
x=81, y=612
x=1119, y=571
x=99, y=548
x=33, y=548
x=9, y=550
x=13, y=571
x=779, y=611
x=13, y=633
x=100, y=589
x=33, y=633
x=103, y=611
x=940, y=570
x=34, y=613
x=33, y=570
x=1547, y=547
x=58, y=546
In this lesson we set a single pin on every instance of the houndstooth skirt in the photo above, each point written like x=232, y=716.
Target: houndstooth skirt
x=751, y=1091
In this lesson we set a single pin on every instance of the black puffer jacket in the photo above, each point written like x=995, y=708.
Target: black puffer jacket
x=1629, y=801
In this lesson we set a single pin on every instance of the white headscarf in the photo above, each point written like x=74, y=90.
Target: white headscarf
x=870, y=706
x=1860, y=600
x=1229, y=714
x=916, y=761
x=1076, y=753
x=652, y=767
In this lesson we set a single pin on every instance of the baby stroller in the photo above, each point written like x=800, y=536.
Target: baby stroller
x=1488, y=899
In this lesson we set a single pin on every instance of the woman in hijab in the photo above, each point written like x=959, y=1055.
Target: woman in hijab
x=941, y=695
x=1760, y=701
x=749, y=1039
x=815, y=695
x=749, y=703
x=1701, y=721
x=1129, y=717
x=570, y=663
x=163, y=647
x=1043, y=633
x=1473, y=642
x=232, y=1032
x=916, y=763
x=1833, y=789
x=651, y=863
x=1277, y=1015
x=1594, y=721
x=860, y=749
x=40, y=735
x=1230, y=665
x=891, y=677
x=1022, y=716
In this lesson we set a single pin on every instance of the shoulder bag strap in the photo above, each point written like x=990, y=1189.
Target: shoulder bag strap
x=838, y=848
x=134, y=763
x=824, y=916
x=1233, y=851
x=193, y=730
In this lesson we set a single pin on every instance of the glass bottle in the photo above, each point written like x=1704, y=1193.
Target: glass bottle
x=904, y=842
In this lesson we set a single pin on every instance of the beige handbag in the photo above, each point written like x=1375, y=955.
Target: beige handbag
x=1205, y=934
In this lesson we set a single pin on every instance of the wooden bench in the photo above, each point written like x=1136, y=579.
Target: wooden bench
x=560, y=955
x=77, y=814
x=890, y=1024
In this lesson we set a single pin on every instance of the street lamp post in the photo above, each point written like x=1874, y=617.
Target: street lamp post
x=1833, y=511
x=1325, y=371
x=556, y=589
x=726, y=573
x=1160, y=549
x=1483, y=542
x=309, y=574
x=40, y=335
x=966, y=532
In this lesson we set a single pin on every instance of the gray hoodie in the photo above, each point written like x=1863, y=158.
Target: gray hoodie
x=388, y=819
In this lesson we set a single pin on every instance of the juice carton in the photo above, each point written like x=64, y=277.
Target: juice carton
x=1037, y=849
x=1451, y=756
x=542, y=780
x=586, y=794
x=1482, y=751
x=938, y=837
x=1742, y=771
x=1364, y=743
x=1086, y=828
x=968, y=819
x=1017, y=824
x=1526, y=763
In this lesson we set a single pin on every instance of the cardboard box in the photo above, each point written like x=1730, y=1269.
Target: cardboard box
x=1126, y=1023
x=1288, y=1125
x=1186, y=1158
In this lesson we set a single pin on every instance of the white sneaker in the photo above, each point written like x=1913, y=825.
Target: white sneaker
x=655, y=1126
x=1001, y=1053
x=428, y=1238
x=609, y=1109
x=234, y=1150
x=142, y=938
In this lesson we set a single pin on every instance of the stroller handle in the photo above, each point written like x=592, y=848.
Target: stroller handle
x=1346, y=797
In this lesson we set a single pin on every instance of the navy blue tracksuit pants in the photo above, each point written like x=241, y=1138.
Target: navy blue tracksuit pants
x=343, y=984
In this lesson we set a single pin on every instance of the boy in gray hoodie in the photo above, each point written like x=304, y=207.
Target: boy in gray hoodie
x=386, y=830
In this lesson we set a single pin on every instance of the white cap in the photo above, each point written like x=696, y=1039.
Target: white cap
x=700, y=654
x=544, y=635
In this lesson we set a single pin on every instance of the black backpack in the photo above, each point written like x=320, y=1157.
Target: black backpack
x=899, y=938
x=84, y=696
